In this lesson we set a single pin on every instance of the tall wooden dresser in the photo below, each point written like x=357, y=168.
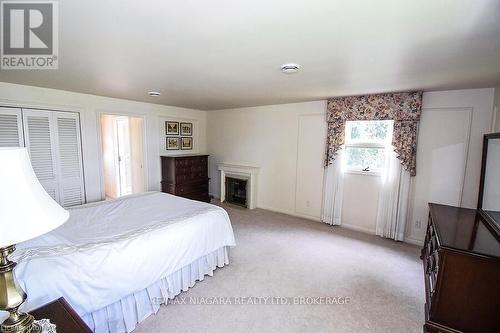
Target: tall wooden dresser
x=461, y=258
x=185, y=176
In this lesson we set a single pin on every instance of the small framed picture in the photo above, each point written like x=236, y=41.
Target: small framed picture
x=172, y=127
x=186, y=143
x=186, y=129
x=173, y=143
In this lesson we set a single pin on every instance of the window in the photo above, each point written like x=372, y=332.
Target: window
x=365, y=145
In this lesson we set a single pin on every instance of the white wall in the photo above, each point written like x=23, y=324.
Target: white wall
x=267, y=137
x=479, y=104
x=90, y=107
x=136, y=128
x=360, y=202
x=496, y=120
x=287, y=142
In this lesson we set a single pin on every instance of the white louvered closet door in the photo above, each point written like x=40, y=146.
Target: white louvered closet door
x=11, y=127
x=40, y=141
x=53, y=142
x=69, y=153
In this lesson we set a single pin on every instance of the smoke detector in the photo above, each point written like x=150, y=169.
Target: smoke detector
x=290, y=68
x=154, y=93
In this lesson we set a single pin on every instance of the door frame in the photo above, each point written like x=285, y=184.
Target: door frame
x=145, y=168
x=117, y=148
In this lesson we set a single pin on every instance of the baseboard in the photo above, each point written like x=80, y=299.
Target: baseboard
x=414, y=241
x=409, y=240
x=291, y=213
x=358, y=228
x=282, y=211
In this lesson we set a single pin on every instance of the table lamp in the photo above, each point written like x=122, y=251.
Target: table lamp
x=26, y=211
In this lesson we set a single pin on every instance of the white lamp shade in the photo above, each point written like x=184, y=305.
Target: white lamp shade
x=26, y=210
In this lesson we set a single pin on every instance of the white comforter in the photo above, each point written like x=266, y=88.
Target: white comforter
x=108, y=250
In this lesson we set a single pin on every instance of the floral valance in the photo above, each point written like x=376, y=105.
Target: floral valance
x=403, y=108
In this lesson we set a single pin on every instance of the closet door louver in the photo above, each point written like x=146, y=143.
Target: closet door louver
x=40, y=141
x=11, y=130
x=70, y=159
x=53, y=141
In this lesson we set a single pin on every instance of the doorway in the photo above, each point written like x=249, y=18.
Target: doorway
x=123, y=155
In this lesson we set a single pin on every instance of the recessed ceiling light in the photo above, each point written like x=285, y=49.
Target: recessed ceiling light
x=154, y=93
x=290, y=68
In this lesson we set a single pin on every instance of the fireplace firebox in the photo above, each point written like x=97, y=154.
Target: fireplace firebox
x=236, y=191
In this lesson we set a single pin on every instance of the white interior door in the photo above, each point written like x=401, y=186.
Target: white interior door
x=53, y=142
x=40, y=140
x=54, y=145
x=70, y=168
x=124, y=156
x=122, y=140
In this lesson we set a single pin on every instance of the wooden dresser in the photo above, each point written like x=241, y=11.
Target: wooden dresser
x=185, y=176
x=461, y=258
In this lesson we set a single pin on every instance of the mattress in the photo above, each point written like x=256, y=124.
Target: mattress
x=111, y=249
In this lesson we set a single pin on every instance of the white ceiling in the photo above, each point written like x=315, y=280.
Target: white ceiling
x=227, y=53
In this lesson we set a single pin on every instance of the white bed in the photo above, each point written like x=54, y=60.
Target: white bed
x=112, y=258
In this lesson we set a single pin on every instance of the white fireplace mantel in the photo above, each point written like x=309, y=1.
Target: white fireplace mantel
x=240, y=171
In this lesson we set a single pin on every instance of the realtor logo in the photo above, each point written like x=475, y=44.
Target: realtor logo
x=29, y=35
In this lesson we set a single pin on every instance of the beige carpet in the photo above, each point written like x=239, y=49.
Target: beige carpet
x=282, y=256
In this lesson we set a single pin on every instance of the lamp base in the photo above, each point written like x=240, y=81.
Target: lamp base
x=19, y=323
x=12, y=297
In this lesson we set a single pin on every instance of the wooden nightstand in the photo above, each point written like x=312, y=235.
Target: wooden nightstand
x=63, y=316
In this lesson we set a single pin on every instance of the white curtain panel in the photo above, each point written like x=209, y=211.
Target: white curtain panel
x=393, y=200
x=333, y=189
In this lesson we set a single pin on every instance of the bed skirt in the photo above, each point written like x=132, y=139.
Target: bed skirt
x=124, y=315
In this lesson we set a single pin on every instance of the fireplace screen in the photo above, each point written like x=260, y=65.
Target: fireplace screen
x=236, y=191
